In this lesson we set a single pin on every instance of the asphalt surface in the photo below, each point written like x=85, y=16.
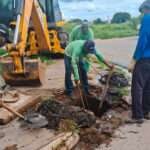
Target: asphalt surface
x=118, y=50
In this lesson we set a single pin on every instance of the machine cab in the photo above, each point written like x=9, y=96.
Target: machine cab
x=6, y=11
x=52, y=10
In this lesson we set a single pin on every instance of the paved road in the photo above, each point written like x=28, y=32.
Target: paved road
x=118, y=50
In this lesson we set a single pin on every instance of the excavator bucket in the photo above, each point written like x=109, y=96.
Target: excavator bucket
x=31, y=77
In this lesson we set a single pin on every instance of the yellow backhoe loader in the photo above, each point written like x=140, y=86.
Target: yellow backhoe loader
x=37, y=28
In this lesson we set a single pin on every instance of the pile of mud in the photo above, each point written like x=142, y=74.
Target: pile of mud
x=56, y=111
x=118, y=79
x=93, y=130
x=101, y=132
x=95, y=126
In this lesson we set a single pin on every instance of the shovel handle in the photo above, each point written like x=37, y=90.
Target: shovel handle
x=104, y=94
x=12, y=111
x=81, y=96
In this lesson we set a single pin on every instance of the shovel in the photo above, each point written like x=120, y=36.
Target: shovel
x=34, y=120
x=104, y=93
x=120, y=65
x=81, y=96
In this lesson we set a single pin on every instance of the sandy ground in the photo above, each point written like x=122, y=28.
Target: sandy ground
x=128, y=137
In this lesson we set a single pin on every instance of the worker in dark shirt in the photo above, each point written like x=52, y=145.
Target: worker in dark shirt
x=141, y=70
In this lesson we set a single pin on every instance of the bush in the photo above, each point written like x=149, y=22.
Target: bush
x=134, y=22
x=121, y=17
x=75, y=21
x=107, y=31
x=69, y=26
x=98, y=21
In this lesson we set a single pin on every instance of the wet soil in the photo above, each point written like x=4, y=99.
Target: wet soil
x=95, y=126
x=56, y=111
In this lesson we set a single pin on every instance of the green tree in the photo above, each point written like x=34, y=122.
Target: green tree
x=121, y=17
x=77, y=20
x=98, y=21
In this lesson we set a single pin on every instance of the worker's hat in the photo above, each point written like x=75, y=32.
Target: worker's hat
x=89, y=46
x=85, y=23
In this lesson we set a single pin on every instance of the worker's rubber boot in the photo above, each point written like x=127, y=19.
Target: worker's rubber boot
x=72, y=96
x=147, y=116
x=135, y=121
x=88, y=94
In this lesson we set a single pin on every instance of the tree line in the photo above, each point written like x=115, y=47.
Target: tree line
x=118, y=18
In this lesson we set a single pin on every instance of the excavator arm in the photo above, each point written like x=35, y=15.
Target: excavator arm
x=28, y=11
x=22, y=70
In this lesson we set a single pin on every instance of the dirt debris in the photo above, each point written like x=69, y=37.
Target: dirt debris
x=2, y=135
x=94, y=127
x=101, y=127
x=55, y=111
x=118, y=79
x=102, y=131
x=11, y=147
x=108, y=119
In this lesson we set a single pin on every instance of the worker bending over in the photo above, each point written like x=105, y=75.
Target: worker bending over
x=82, y=32
x=77, y=62
x=141, y=71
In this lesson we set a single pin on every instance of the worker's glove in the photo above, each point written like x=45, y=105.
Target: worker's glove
x=77, y=82
x=111, y=66
x=131, y=65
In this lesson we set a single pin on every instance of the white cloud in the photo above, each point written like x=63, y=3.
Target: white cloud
x=99, y=8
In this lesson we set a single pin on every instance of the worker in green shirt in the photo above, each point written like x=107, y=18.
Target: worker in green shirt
x=77, y=62
x=82, y=32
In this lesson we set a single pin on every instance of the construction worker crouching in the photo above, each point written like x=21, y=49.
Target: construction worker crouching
x=82, y=32
x=141, y=70
x=76, y=62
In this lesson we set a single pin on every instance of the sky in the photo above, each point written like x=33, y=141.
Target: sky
x=93, y=9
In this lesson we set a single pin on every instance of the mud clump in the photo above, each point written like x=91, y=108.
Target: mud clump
x=56, y=111
x=117, y=79
x=102, y=131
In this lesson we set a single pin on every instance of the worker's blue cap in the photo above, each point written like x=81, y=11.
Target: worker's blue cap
x=85, y=23
x=145, y=5
x=89, y=46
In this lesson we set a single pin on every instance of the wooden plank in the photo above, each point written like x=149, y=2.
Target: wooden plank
x=23, y=104
x=63, y=141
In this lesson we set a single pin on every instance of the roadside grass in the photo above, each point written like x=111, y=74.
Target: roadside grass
x=108, y=31
x=2, y=51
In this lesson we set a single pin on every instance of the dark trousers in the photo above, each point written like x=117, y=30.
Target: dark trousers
x=141, y=89
x=68, y=73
